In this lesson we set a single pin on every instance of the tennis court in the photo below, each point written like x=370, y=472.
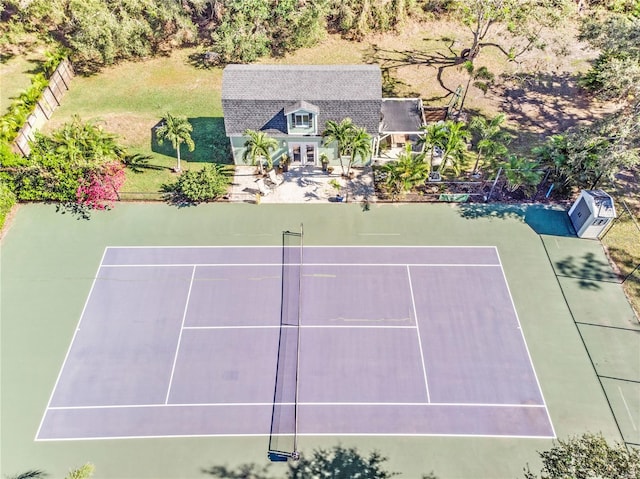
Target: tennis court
x=320, y=340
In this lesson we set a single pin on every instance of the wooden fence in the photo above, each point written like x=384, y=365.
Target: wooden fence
x=49, y=101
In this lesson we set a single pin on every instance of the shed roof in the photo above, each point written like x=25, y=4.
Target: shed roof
x=401, y=115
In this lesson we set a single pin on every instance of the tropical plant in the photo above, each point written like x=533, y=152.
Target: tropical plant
x=454, y=153
x=521, y=173
x=100, y=187
x=587, y=456
x=258, y=148
x=433, y=140
x=340, y=134
x=405, y=173
x=7, y=200
x=358, y=146
x=490, y=139
x=177, y=130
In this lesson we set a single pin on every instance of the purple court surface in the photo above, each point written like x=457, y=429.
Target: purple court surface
x=206, y=341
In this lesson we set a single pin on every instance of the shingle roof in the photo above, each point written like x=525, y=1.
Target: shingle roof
x=302, y=82
x=256, y=96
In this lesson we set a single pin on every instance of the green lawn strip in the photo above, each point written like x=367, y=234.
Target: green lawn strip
x=15, y=77
x=54, y=257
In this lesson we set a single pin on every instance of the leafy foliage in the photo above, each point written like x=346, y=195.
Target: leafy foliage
x=587, y=456
x=490, y=140
x=66, y=166
x=7, y=200
x=583, y=156
x=101, y=187
x=521, y=173
x=338, y=133
x=405, y=173
x=207, y=184
x=616, y=72
x=83, y=472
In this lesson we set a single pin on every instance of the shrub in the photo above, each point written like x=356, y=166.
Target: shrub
x=7, y=200
x=207, y=184
x=101, y=186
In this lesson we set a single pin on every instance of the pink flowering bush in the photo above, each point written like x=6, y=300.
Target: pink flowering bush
x=100, y=189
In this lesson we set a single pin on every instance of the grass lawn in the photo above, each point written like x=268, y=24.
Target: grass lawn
x=15, y=77
x=130, y=99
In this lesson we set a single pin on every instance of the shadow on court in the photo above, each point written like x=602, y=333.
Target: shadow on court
x=542, y=219
x=588, y=270
x=338, y=462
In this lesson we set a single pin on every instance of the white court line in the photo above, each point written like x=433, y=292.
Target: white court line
x=362, y=434
x=415, y=315
x=526, y=347
x=310, y=246
x=184, y=316
x=307, y=326
x=73, y=338
x=627, y=408
x=278, y=264
x=311, y=403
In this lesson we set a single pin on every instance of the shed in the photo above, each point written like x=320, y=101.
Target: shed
x=591, y=213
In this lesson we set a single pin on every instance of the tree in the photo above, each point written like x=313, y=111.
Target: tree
x=358, y=146
x=177, y=130
x=435, y=135
x=258, y=147
x=585, y=155
x=405, y=173
x=587, y=456
x=454, y=151
x=490, y=140
x=340, y=134
x=615, y=74
x=524, y=20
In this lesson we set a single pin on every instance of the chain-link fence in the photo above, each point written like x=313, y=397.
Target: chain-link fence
x=622, y=240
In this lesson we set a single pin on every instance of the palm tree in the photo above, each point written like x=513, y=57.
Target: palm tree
x=258, y=147
x=454, y=152
x=406, y=172
x=358, y=145
x=434, y=137
x=340, y=133
x=492, y=141
x=177, y=130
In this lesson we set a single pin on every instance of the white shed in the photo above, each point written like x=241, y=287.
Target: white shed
x=591, y=213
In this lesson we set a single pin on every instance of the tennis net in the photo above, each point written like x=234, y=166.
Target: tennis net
x=283, y=437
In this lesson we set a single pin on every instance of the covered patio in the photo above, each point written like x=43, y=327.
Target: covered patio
x=400, y=123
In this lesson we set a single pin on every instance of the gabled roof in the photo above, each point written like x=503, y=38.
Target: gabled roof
x=301, y=105
x=302, y=82
x=258, y=97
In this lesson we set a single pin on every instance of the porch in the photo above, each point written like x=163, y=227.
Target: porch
x=304, y=184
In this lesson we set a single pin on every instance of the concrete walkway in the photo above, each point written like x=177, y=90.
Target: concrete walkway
x=305, y=184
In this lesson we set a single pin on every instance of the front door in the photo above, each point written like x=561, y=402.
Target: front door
x=302, y=153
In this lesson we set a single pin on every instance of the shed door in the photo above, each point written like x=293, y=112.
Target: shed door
x=580, y=214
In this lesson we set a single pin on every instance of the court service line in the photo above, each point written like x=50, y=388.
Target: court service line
x=524, y=340
x=415, y=315
x=73, y=338
x=310, y=403
x=310, y=246
x=184, y=317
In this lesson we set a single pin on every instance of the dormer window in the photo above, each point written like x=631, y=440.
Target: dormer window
x=302, y=120
x=302, y=117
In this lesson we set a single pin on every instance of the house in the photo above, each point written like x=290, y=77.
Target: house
x=292, y=104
